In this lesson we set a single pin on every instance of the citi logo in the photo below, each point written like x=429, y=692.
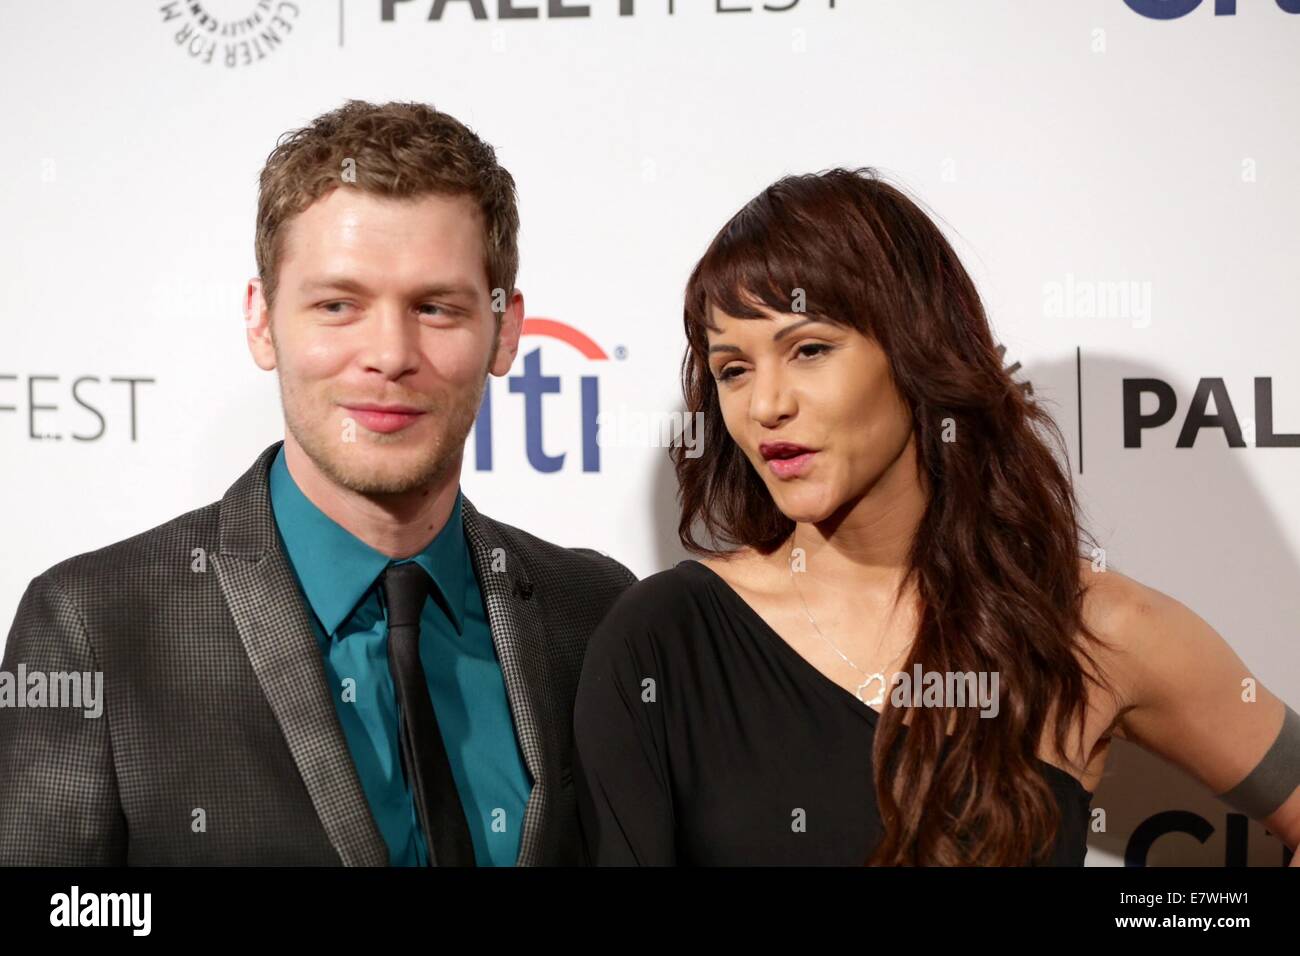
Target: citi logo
x=1173, y=9
x=547, y=425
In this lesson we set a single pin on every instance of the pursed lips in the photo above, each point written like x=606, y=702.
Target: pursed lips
x=787, y=459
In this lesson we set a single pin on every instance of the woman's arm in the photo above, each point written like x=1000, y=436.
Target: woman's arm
x=620, y=754
x=1192, y=701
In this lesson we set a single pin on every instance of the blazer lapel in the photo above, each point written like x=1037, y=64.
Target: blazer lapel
x=519, y=636
x=269, y=612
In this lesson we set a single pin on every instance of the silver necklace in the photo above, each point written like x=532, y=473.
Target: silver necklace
x=868, y=679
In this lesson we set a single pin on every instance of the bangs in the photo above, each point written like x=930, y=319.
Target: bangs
x=785, y=254
x=746, y=272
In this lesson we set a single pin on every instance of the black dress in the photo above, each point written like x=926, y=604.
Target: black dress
x=703, y=738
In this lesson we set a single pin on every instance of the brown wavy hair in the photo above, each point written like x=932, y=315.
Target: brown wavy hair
x=398, y=150
x=996, y=555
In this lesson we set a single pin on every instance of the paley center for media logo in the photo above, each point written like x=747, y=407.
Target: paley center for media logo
x=235, y=33
x=569, y=9
x=1161, y=401
x=231, y=33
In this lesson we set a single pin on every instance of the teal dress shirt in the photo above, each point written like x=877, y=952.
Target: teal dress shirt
x=338, y=574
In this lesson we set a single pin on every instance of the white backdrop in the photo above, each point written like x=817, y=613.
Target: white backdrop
x=1121, y=186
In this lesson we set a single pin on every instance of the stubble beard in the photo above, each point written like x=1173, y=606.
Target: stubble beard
x=355, y=474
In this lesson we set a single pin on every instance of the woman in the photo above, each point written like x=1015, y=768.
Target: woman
x=880, y=512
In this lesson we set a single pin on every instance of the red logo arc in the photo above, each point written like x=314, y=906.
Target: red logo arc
x=565, y=333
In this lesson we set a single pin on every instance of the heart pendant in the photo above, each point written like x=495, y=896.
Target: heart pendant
x=880, y=694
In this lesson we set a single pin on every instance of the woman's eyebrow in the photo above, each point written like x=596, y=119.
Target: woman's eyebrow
x=775, y=338
x=795, y=325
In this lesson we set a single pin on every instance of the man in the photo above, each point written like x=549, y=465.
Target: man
x=341, y=661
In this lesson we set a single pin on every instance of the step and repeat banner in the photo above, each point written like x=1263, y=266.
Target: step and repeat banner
x=1121, y=177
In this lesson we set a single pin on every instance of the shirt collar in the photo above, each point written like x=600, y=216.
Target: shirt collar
x=337, y=569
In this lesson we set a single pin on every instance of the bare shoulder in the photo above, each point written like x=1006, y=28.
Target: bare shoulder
x=1116, y=610
x=742, y=568
x=1192, y=700
x=1153, y=645
x=1119, y=608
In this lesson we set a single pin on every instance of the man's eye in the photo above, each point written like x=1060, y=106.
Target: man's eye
x=333, y=308
x=432, y=306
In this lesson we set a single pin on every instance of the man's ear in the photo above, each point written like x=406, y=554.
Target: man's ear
x=512, y=324
x=257, y=326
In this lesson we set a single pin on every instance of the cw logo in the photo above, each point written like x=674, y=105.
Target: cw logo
x=1236, y=836
x=534, y=385
x=1173, y=9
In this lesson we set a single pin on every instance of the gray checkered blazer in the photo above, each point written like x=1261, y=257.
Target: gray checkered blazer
x=214, y=697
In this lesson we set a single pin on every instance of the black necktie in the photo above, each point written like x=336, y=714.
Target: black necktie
x=446, y=834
